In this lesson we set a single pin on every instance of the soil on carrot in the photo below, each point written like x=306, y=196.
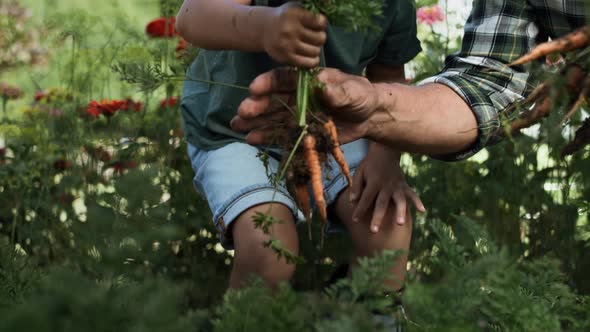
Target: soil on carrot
x=297, y=170
x=304, y=172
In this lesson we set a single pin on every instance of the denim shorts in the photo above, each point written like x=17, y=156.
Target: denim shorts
x=233, y=179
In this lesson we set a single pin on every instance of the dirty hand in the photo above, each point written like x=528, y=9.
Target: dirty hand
x=350, y=100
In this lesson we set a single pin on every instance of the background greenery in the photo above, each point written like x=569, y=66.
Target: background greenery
x=90, y=243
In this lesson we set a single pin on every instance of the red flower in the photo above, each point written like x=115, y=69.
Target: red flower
x=108, y=108
x=62, y=165
x=39, y=95
x=135, y=106
x=93, y=109
x=53, y=94
x=169, y=102
x=162, y=27
x=8, y=91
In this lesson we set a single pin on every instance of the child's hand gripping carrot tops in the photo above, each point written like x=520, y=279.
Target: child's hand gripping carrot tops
x=290, y=34
x=294, y=35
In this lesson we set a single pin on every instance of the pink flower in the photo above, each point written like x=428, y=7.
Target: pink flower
x=430, y=15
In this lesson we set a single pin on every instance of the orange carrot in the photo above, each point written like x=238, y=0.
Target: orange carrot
x=581, y=100
x=302, y=197
x=337, y=152
x=315, y=172
x=541, y=110
x=569, y=42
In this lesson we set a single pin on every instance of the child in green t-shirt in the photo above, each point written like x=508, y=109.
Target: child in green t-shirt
x=242, y=40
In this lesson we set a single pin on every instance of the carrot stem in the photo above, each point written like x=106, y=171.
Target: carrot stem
x=292, y=153
x=302, y=95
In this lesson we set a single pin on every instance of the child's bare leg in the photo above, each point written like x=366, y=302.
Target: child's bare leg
x=252, y=258
x=391, y=236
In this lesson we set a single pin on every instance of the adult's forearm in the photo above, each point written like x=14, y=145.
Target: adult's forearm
x=430, y=119
x=235, y=24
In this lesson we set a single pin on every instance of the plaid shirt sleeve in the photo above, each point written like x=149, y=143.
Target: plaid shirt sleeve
x=496, y=33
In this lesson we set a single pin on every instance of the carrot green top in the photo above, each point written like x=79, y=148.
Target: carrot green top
x=208, y=108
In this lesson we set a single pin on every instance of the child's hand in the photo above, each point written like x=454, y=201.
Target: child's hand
x=379, y=182
x=294, y=36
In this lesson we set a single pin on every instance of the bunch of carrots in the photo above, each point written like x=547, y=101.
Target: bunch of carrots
x=316, y=140
x=316, y=135
x=577, y=86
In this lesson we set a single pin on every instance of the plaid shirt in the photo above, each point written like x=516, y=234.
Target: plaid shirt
x=496, y=33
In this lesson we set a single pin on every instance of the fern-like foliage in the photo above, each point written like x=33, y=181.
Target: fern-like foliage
x=355, y=15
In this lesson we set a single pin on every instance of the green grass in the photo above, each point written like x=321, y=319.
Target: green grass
x=139, y=11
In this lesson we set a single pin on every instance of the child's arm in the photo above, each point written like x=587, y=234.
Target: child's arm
x=289, y=34
x=379, y=180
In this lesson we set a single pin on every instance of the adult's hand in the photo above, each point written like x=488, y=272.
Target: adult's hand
x=349, y=99
x=430, y=119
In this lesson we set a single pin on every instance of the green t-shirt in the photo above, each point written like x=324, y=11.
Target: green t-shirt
x=208, y=108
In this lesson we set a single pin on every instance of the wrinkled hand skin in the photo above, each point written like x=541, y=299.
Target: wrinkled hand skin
x=349, y=99
x=379, y=183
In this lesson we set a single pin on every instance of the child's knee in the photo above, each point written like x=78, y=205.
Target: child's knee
x=247, y=233
x=251, y=254
x=263, y=262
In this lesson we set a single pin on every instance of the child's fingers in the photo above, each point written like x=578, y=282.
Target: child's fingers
x=307, y=50
x=379, y=210
x=315, y=38
x=400, y=207
x=416, y=200
x=358, y=184
x=366, y=200
x=304, y=61
x=313, y=21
